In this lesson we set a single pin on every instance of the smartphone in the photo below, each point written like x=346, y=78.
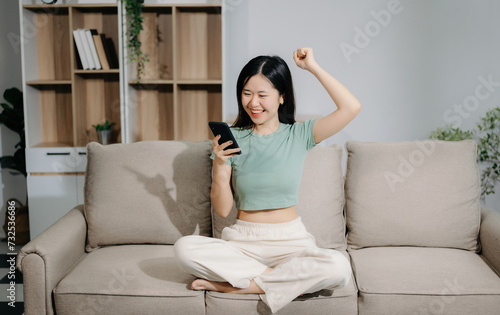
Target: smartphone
x=222, y=129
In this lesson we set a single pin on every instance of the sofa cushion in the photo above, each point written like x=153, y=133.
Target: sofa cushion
x=421, y=193
x=321, y=199
x=413, y=280
x=128, y=279
x=147, y=192
x=343, y=301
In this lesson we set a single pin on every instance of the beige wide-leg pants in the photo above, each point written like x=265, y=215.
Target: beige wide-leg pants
x=247, y=249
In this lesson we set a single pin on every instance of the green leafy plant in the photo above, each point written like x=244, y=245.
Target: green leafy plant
x=134, y=27
x=451, y=134
x=487, y=137
x=12, y=117
x=106, y=126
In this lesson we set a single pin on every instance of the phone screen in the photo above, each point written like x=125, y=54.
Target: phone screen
x=222, y=129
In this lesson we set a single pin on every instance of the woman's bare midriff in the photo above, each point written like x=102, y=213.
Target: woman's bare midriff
x=269, y=216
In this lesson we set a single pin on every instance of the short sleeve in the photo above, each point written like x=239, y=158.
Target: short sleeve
x=228, y=162
x=305, y=131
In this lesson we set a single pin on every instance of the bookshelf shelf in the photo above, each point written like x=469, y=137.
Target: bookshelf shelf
x=44, y=7
x=150, y=82
x=48, y=82
x=110, y=71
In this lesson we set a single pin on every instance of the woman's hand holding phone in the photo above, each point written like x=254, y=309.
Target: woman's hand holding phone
x=222, y=155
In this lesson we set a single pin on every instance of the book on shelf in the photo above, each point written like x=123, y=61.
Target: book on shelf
x=80, y=50
x=93, y=51
x=99, y=40
x=86, y=49
x=109, y=49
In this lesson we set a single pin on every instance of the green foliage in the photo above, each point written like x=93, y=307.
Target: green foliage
x=487, y=137
x=106, y=126
x=134, y=27
x=12, y=117
x=451, y=134
x=489, y=149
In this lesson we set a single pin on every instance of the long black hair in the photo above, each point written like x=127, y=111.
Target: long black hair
x=277, y=72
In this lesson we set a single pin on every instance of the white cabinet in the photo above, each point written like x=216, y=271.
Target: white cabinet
x=55, y=184
x=56, y=160
x=50, y=197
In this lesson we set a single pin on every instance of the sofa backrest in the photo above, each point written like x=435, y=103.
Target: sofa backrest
x=421, y=193
x=321, y=198
x=147, y=192
x=157, y=191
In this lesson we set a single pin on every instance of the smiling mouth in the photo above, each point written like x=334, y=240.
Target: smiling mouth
x=257, y=113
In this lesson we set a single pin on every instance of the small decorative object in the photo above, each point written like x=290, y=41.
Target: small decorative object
x=487, y=137
x=104, y=132
x=49, y=1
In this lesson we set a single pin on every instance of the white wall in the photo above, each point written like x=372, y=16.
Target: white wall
x=10, y=76
x=419, y=63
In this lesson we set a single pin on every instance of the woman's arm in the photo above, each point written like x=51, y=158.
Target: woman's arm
x=221, y=194
x=348, y=106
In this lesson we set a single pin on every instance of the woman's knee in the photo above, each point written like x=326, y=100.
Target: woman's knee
x=339, y=270
x=185, y=249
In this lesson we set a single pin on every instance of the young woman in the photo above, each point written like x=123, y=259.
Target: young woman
x=268, y=250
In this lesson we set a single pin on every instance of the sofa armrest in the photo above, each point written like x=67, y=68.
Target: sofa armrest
x=46, y=259
x=489, y=237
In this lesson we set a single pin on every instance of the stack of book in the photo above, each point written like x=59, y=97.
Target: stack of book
x=95, y=51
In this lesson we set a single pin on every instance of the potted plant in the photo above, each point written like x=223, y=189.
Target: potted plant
x=104, y=131
x=487, y=137
x=133, y=9
x=12, y=116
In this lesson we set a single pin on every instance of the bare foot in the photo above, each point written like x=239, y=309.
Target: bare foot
x=203, y=284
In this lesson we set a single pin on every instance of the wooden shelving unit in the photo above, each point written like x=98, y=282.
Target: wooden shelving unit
x=64, y=101
x=180, y=91
x=181, y=88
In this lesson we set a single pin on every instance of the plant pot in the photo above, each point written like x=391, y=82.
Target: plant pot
x=104, y=136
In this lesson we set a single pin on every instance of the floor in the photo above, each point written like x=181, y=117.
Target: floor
x=11, y=283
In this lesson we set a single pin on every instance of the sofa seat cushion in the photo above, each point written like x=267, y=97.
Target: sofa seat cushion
x=321, y=199
x=343, y=301
x=419, y=193
x=128, y=279
x=417, y=280
x=148, y=192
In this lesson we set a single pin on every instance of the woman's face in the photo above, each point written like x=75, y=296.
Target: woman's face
x=261, y=100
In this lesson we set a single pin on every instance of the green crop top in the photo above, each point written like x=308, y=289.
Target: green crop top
x=268, y=172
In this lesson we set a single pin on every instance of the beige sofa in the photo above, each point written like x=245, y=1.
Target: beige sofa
x=418, y=241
